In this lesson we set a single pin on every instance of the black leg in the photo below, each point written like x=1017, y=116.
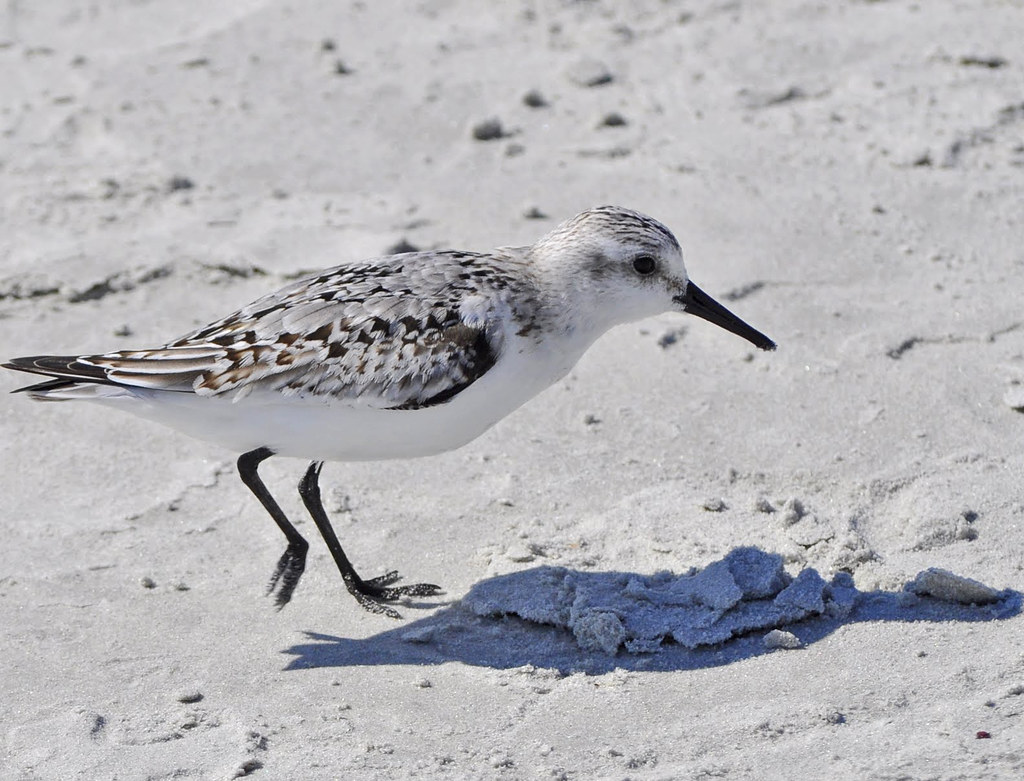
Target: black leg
x=368, y=593
x=293, y=561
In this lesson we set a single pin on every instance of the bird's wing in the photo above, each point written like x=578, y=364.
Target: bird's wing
x=386, y=334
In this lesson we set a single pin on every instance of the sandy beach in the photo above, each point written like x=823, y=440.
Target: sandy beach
x=689, y=559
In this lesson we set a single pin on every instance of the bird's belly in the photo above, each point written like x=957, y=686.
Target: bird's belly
x=319, y=428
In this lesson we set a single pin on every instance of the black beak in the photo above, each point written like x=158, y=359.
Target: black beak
x=697, y=302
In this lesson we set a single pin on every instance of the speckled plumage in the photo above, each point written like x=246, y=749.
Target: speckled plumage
x=399, y=332
x=400, y=356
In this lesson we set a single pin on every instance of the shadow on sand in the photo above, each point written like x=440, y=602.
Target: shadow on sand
x=595, y=622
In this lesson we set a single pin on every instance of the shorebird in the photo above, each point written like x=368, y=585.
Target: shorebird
x=395, y=357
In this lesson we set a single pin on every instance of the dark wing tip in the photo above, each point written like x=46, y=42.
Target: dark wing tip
x=42, y=387
x=67, y=367
x=16, y=364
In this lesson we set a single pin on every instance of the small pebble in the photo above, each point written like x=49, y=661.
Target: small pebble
x=489, y=130
x=534, y=99
x=713, y=505
x=590, y=73
x=943, y=584
x=614, y=119
x=176, y=183
x=779, y=638
x=147, y=582
x=189, y=696
x=671, y=336
x=533, y=213
x=247, y=766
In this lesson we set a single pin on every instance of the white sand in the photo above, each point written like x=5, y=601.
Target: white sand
x=852, y=171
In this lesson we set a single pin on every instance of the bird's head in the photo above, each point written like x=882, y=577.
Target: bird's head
x=627, y=266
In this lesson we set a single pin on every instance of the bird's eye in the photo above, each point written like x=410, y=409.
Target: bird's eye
x=644, y=265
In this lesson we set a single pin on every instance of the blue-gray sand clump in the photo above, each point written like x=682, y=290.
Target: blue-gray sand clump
x=744, y=592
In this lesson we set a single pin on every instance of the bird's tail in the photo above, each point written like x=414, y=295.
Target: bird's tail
x=70, y=378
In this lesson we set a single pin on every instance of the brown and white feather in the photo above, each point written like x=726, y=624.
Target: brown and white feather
x=401, y=332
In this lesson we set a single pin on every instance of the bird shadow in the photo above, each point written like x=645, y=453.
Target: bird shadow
x=595, y=622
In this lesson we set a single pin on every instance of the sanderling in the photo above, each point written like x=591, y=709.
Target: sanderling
x=395, y=357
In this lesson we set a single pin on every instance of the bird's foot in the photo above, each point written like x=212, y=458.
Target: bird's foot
x=372, y=593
